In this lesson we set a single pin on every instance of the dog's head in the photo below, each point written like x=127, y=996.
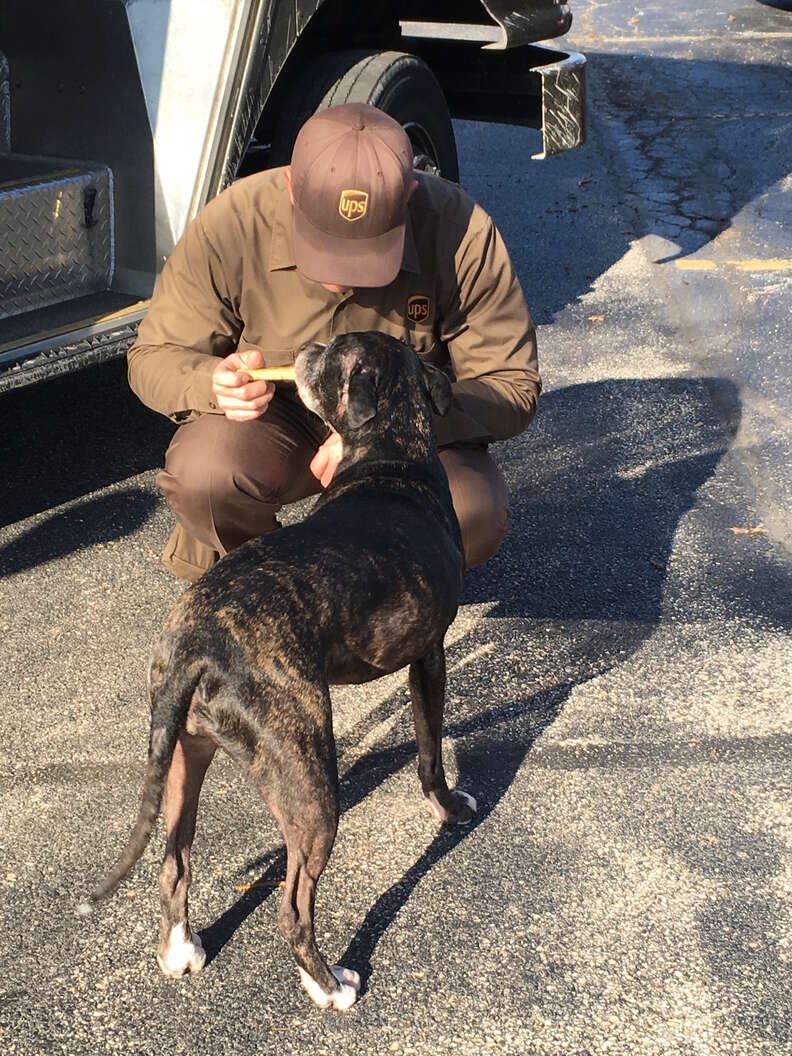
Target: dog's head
x=374, y=390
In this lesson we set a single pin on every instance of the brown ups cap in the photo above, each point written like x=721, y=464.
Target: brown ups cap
x=352, y=169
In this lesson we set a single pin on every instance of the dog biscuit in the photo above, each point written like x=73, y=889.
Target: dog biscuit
x=269, y=373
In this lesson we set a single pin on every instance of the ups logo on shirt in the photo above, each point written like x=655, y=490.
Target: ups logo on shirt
x=418, y=308
x=353, y=205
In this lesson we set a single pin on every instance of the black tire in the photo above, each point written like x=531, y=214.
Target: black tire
x=400, y=84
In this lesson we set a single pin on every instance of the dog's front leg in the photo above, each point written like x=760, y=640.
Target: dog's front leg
x=427, y=694
x=180, y=949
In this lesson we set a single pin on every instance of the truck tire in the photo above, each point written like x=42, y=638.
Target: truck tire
x=400, y=84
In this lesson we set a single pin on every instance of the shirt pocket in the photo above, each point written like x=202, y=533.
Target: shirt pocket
x=422, y=338
x=427, y=343
x=275, y=355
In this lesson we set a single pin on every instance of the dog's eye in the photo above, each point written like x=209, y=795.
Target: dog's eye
x=364, y=372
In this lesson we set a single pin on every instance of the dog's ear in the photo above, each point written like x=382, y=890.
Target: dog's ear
x=362, y=397
x=438, y=388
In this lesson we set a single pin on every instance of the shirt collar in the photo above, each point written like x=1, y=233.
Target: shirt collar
x=282, y=248
x=410, y=260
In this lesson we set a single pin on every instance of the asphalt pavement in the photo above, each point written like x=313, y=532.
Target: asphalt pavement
x=619, y=674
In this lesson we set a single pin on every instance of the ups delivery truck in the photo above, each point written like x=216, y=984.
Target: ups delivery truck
x=119, y=119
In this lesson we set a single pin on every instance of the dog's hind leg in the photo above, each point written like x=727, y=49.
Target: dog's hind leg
x=180, y=949
x=303, y=795
x=427, y=695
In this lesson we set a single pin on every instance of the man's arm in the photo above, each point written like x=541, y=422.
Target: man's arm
x=191, y=322
x=491, y=341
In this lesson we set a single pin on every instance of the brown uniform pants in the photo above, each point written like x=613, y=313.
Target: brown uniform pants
x=226, y=481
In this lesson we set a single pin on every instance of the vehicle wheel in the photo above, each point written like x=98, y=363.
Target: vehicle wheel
x=400, y=84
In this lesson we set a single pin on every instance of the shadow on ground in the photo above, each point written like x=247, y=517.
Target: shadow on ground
x=97, y=520
x=68, y=437
x=599, y=490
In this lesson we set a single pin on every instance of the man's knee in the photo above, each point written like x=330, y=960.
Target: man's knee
x=481, y=501
x=187, y=475
x=483, y=531
x=209, y=484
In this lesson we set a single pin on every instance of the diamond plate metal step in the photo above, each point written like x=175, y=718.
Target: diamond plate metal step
x=56, y=219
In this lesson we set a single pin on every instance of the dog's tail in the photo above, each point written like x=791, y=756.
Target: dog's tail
x=170, y=701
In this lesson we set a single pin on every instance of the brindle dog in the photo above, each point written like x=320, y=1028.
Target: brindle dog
x=367, y=584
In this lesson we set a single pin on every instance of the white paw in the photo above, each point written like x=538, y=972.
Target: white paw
x=182, y=954
x=339, y=999
x=466, y=796
x=442, y=814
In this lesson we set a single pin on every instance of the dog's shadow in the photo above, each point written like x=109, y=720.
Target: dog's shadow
x=494, y=734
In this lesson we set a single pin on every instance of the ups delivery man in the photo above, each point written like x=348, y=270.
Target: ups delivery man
x=346, y=238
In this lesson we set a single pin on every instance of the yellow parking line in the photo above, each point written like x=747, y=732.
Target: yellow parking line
x=749, y=264
x=770, y=264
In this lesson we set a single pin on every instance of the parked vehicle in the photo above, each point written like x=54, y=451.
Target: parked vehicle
x=119, y=119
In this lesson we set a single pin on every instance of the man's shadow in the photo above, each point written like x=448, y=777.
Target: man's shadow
x=599, y=489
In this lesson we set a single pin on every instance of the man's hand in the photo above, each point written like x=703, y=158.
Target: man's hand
x=239, y=398
x=325, y=461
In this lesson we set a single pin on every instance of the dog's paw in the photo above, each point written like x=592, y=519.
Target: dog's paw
x=459, y=811
x=184, y=953
x=340, y=999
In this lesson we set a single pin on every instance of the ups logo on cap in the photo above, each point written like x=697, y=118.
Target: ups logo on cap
x=353, y=205
x=418, y=308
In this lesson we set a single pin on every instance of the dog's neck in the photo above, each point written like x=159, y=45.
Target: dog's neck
x=425, y=477
x=425, y=471
x=384, y=446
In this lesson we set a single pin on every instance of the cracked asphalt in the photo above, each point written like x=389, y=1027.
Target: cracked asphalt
x=619, y=674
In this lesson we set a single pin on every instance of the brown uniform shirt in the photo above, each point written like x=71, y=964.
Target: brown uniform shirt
x=231, y=283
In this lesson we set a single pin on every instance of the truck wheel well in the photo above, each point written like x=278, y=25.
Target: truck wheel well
x=374, y=27
x=399, y=83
